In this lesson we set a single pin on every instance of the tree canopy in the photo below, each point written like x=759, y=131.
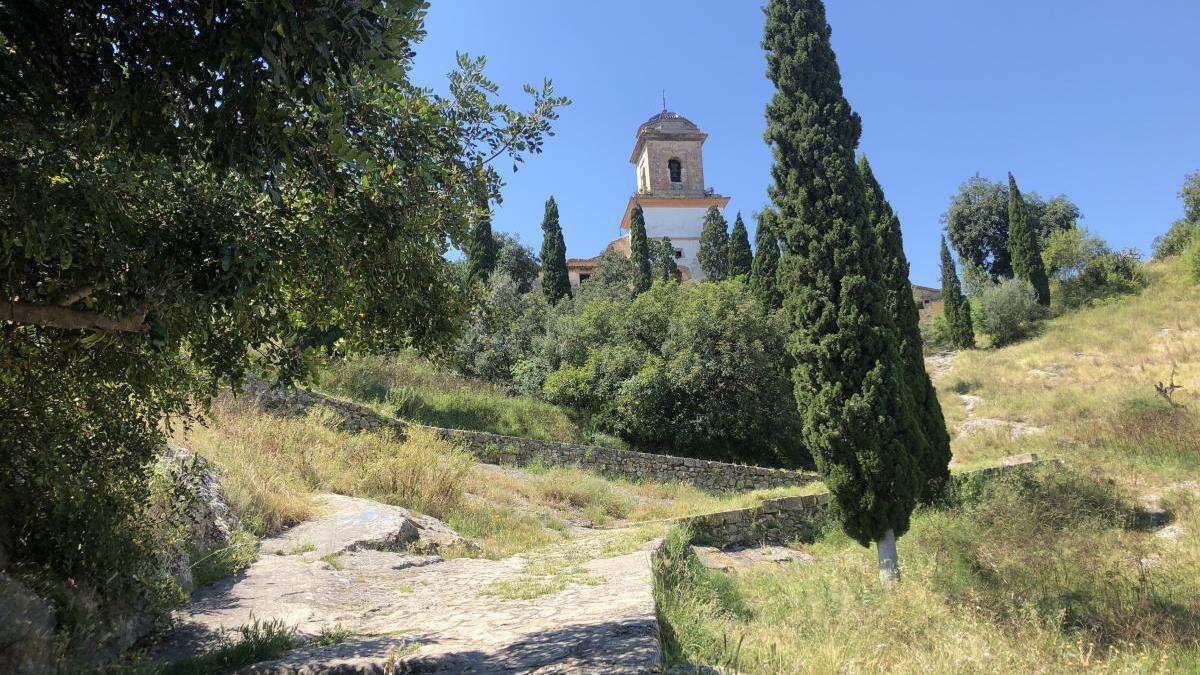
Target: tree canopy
x=766, y=263
x=932, y=443
x=956, y=308
x=1024, y=248
x=977, y=222
x=191, y=186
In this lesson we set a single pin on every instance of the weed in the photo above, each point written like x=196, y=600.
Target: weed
x=335, y=560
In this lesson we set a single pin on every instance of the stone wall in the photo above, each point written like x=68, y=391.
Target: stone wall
x=780, y=521
x=497, y=449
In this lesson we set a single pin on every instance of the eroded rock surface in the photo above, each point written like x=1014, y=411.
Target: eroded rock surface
x=418, y=613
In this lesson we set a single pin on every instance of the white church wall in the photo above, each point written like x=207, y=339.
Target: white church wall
x=668, y=221
x=683, y=226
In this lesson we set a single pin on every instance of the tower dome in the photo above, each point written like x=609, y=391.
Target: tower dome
x=668, y=122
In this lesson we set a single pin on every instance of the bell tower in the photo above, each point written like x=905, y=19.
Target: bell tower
x=668, y=156
x=669, y=165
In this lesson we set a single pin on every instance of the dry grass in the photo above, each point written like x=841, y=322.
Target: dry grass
x=275, y=465
x=1040, y=578
x=1047, y=578
x=1088, y=380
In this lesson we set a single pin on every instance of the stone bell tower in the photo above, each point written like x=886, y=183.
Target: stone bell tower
x=669, y=161
x=668, y=154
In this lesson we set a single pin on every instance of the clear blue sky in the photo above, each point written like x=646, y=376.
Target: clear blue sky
x=1095, y=99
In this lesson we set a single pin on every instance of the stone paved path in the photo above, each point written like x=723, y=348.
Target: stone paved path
x=418, y=613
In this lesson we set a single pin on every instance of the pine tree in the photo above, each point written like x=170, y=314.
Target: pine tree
x=714, y=246
x=740, y=259
x=481, y=258
x=639, y=251
x=858, y=419
x=766, y=263
x=556, y=283
x=955, y=308
x=901, y=305
x=1023, y=246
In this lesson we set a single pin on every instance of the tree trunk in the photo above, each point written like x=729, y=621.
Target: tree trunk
x=889, y=561
x=53, y=316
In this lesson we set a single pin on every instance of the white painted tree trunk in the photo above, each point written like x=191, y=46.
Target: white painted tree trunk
x=889, y=561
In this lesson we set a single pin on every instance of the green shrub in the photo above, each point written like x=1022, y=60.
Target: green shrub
x=1191, y=258
x=1106, y=276
x=935, y=335
x=688, y=369
x=1176, y=240
x=1009, y=311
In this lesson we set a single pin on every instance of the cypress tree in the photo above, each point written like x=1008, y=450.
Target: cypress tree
x=668, y=268
x=858, y=422
x=714, y=246
x=739, y=258
x=955, y=307
x=556, y=283
x=639, y=250
x=935, y=451
x=766, y=263
x=481, y=257
x=1023, y=246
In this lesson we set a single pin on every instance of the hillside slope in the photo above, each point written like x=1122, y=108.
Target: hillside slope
x=1092, y=566
x=1085, y=388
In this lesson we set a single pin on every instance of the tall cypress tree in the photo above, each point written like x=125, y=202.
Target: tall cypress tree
x=639, y=250
x=740, y=258
x=1023, y=246
x=955, y=307
x=556, y=283
x=481, y=257
x=668, y=268
x=714, y=245
x=857, y=417
x=935, y=451
x=766, y=263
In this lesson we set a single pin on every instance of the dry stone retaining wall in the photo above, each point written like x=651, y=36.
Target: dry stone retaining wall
x=780, y=521
x=497, y=449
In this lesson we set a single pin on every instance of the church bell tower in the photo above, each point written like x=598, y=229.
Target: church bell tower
x=669, y=160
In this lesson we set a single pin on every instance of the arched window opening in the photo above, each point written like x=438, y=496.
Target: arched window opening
x=676, y=169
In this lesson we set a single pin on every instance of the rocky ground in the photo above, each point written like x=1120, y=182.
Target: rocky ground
x=374, y=571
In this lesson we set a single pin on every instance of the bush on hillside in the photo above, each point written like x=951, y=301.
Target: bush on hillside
x=1085, y=270
x=1191, y=258
x=504, y=326
x=935, y=335
x=1176, y=240
x=1009, y=311
x=690, y=369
